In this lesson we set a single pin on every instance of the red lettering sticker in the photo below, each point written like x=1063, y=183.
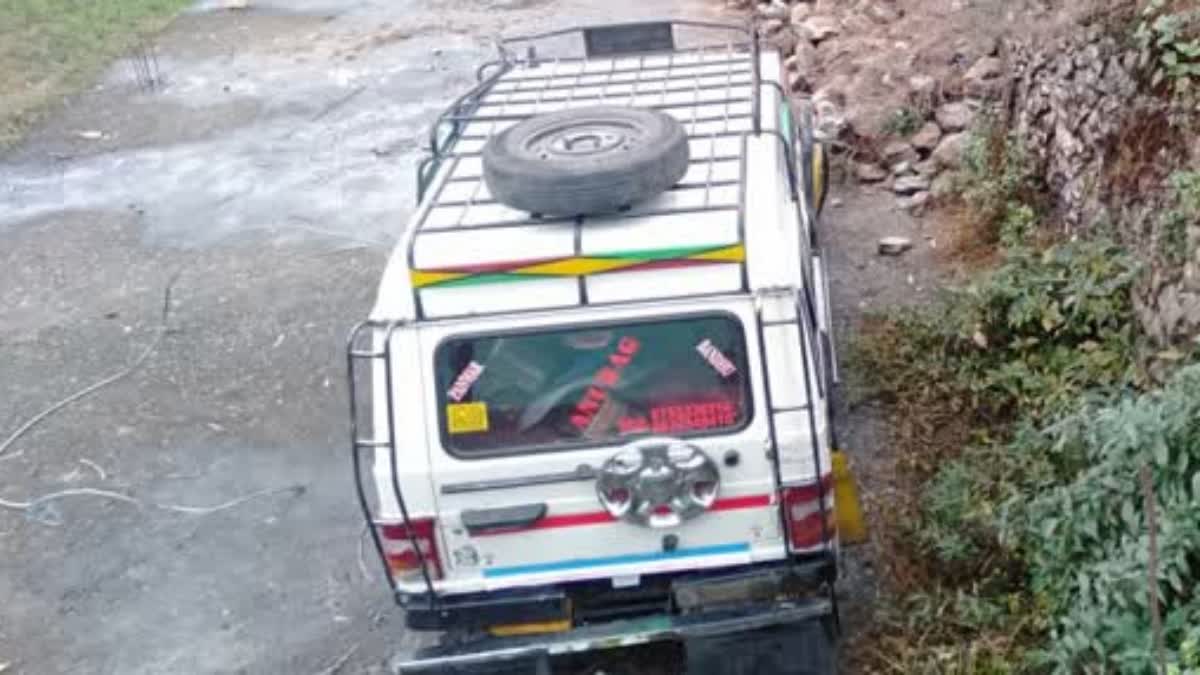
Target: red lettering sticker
x=633, y=425
x=699, y=416
x=628, y=346
x=604, y=379
x=607, y=377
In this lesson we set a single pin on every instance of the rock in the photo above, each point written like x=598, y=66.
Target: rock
x=914, y=204
x=983, y=79
x=907, y=185
x=833, y=88
x=902, y=168
x=90, y=135
x=894, y=245
x=899, y=151
x=943, y=185
x=955, y=116
x=927, y=168
x=857, y=24
x=804, y=56
x=927, y=137
x=867, y=172
x=820, y=28
x=798, y=81
x=837, y=202
x=922, y=86
x=235, y=4
x=776, y=10
x=949, y=152
x=882, y=12
x=986, y=68
x=829, y=119
x=770, y=27
x=786, y=40
x=800, y=12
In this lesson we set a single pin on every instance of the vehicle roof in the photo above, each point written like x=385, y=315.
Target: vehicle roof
x=723, y=229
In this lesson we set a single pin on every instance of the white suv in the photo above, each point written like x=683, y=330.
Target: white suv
x=587, y=432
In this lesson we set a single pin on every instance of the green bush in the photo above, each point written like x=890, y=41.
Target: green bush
x=1086, y=540
x=903, y=122
x=1012, y=357
x=1184, y=187
x=998, y=183
x=1170, y=40
x=1046, y=326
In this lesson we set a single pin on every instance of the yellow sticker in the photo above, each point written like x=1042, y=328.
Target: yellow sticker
x=466, y=418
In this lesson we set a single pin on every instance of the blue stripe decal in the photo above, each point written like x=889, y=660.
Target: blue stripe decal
x=580, y=563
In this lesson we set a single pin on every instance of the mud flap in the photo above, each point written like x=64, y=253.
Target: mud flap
x=805, y=648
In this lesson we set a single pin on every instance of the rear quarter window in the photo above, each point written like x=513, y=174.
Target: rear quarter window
x=592, y=385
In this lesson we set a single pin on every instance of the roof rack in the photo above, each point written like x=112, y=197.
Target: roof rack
x=630, y=64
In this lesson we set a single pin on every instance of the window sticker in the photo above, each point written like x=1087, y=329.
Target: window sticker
x=462, y=383
x=466, y=418
x=668, y=419
x=680, y=417
x=606, y=378
x=716, y=359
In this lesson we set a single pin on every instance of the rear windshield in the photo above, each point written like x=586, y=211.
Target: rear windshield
x=592, y=385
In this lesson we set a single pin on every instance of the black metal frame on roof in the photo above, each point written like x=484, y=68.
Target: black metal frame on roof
x=491, y=72
x=452, y=125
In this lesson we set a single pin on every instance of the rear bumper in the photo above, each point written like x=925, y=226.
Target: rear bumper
x=696, y=607
x=757, y=583
x=533, y=654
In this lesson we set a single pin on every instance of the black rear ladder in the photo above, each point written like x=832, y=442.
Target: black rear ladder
x=371, y=341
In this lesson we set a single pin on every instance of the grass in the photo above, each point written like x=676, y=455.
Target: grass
x=50, y=48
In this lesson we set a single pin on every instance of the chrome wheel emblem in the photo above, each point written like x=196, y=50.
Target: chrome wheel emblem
x=658, y=482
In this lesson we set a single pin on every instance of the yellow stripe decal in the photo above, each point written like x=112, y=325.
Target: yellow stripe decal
x=728, y=254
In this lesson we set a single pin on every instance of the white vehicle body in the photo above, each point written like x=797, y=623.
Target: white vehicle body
x=731, y=243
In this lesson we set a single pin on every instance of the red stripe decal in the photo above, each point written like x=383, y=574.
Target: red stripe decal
x=748, y=502
x=602, y=517
x=489, y=268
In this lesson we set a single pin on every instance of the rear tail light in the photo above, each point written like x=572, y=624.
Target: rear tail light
x=802, y=509
x=402, y=558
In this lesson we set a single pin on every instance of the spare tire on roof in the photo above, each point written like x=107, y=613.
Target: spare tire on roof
x=585, y=160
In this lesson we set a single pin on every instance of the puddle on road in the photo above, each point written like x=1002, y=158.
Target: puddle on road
x=329, y=147
x=331, y=153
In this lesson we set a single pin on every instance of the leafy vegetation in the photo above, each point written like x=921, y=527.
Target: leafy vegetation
x=1021, y=428
x=1033, y=450
x=903, y=123
x=1173, y=223
x=1084, y=533
x=50, y=47
x=999, y=185
x=1169, y=37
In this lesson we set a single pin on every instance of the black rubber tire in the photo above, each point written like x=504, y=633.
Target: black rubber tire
x=585, y=160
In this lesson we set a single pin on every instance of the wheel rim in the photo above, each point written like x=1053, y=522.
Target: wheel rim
x=583, y=139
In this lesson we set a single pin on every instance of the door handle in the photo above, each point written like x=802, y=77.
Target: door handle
x=480, y=521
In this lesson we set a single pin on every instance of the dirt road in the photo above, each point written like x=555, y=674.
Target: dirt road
x=268, y=177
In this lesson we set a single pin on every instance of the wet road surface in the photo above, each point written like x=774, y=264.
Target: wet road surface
x=269, y=178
